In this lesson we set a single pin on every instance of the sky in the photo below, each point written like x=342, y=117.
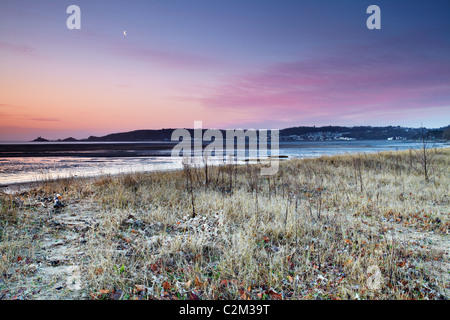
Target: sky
x=261, y=64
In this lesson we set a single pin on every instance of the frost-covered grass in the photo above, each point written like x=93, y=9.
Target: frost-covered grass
x=365, y=226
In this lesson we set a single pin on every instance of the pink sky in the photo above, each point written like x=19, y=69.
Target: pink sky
x=191, y=64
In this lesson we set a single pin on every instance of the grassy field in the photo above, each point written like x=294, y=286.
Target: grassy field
x=363, y=226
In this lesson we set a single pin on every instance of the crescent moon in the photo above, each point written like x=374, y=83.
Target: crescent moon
x=125, y=33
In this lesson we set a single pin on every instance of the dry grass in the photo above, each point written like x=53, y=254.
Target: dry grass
x=319, y=229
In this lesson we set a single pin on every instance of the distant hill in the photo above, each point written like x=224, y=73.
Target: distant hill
x=68, y=140
x=137, y=135
x=40, y=139
x=290, y=134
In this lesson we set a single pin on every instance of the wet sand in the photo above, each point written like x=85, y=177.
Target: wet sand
x=132, y=149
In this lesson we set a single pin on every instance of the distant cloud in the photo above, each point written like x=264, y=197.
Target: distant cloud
x=46, y=119
x=22, y=50
x=360, y=81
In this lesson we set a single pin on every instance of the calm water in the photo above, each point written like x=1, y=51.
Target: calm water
x=26, y=169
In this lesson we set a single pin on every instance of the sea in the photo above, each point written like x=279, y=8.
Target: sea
x=34, y=169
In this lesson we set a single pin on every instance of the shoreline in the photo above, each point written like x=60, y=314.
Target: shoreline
x=150, y=148
x=22, y=186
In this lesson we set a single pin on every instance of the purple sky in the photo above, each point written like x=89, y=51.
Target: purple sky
x=234, y=63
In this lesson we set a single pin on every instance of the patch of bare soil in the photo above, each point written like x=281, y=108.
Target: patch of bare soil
x=427, y=242
x=54, y=269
